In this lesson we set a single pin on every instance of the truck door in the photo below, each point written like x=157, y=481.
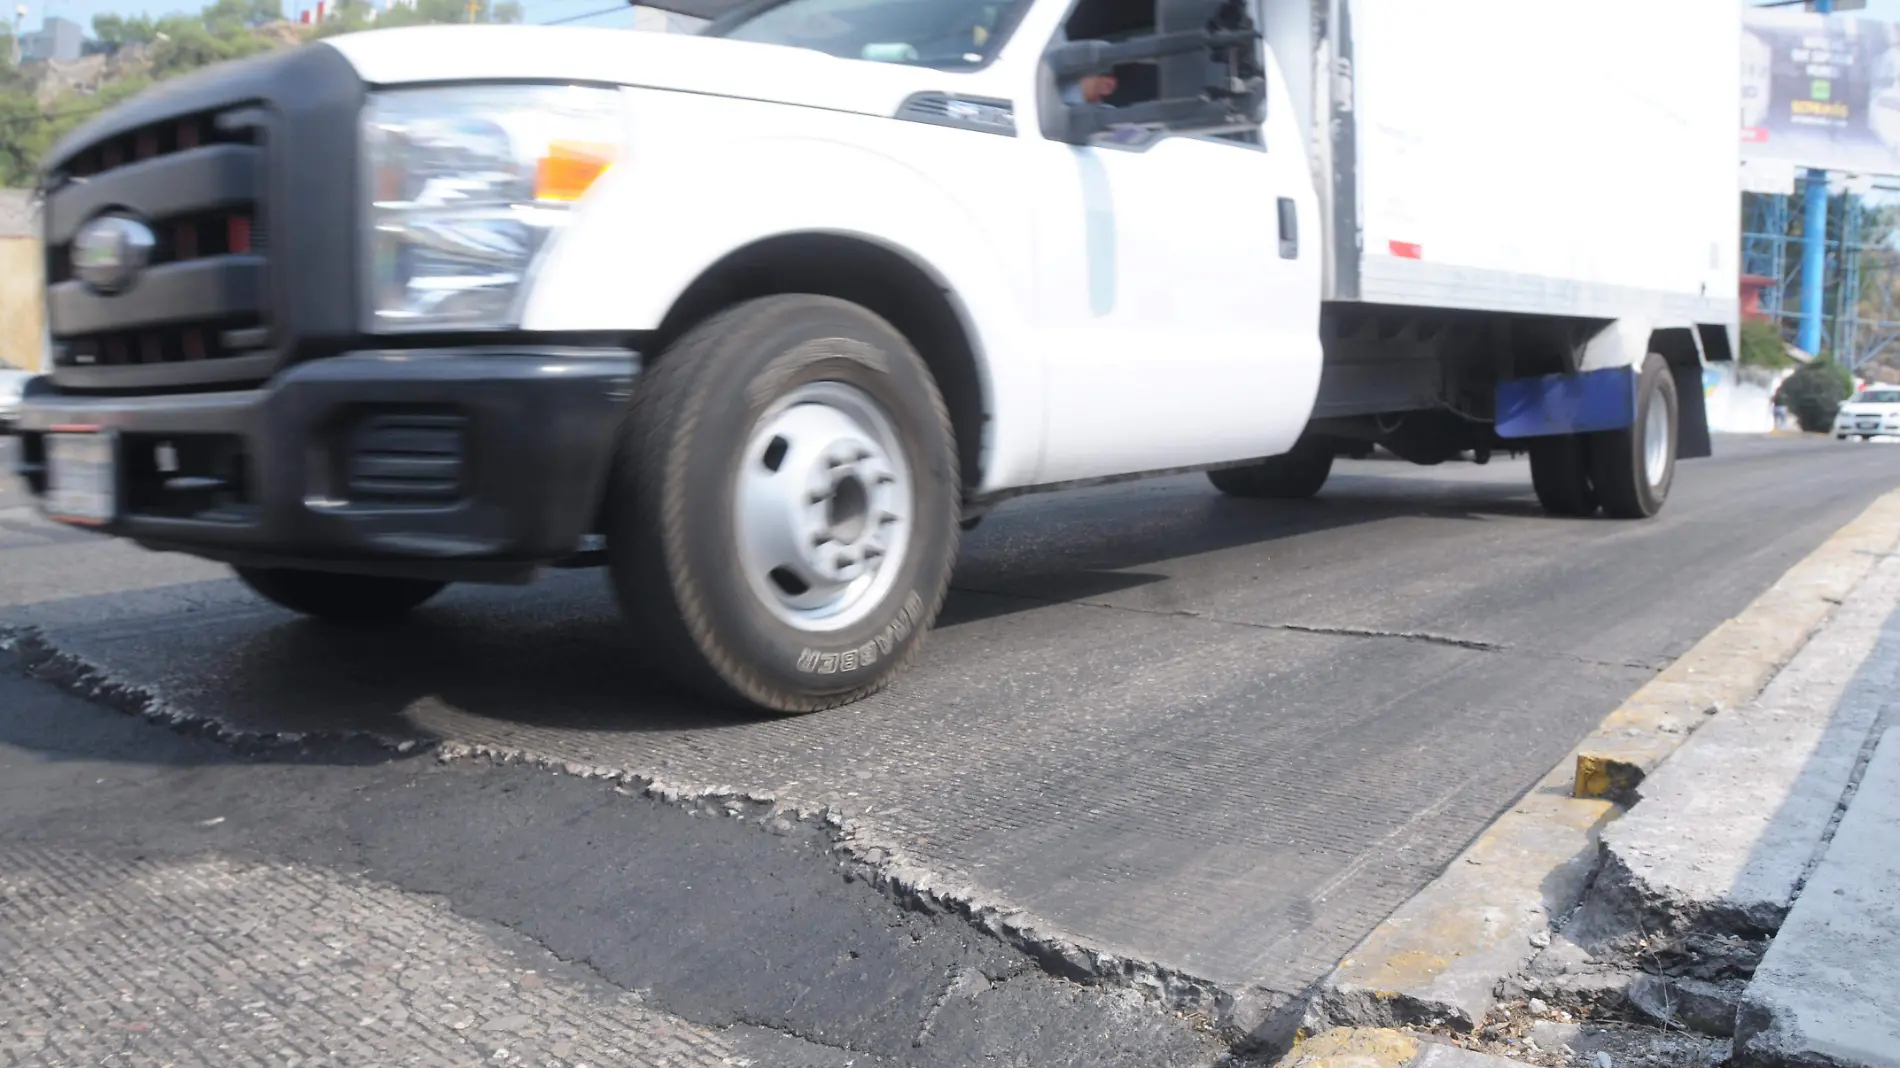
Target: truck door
x=1178, y=327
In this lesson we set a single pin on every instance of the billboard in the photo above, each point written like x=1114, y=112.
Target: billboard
x=1821, y=91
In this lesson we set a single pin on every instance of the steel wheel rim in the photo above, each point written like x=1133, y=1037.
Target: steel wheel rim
x=1656, y=443
x=823, y=507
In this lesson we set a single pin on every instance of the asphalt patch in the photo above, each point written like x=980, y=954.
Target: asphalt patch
x=712, y=917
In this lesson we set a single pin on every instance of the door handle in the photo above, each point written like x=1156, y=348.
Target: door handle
x=1289, y=229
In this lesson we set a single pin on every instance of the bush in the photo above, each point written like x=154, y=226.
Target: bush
x=1814, y=393
x=1762, y=346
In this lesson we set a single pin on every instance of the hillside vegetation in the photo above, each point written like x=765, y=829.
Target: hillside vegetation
x=41, y=102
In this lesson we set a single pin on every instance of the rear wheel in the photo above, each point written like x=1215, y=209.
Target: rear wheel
x=1299, y=473
x=784, y=508
x=339, y=598
x=1560, y=473
x=1633, y=468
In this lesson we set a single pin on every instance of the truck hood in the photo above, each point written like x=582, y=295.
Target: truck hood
x=708, y=65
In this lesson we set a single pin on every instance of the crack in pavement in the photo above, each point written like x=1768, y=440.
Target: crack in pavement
x=1452, y=641
x=1429, y=638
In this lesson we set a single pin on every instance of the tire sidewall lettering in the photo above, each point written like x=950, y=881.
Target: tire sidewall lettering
x=889, y=639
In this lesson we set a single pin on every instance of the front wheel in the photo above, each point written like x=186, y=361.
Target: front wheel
x=783, y=514
x=1633, y=468
x=338, y=598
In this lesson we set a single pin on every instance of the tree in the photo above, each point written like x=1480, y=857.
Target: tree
x=177, y=44
x=117, y=31
x=354, y=15
x=1814, y=394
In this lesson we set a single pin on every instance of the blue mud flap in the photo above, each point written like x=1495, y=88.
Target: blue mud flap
x=1566, y=404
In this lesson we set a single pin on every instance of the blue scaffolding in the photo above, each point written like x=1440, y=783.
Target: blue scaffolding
x=1860, y=318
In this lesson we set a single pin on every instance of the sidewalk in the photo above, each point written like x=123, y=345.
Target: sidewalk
x=1741, y=906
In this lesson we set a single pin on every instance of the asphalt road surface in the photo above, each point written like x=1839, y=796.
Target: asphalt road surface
x=1215, y=738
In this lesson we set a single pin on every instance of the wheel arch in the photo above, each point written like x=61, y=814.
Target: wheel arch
x=1628, y=342
x=894, y=283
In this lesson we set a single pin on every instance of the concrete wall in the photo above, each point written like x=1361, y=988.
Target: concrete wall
x=22, y=322
x=1740, y=400
x=22, y=326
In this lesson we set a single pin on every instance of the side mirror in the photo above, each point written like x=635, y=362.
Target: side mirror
x=1207, y=58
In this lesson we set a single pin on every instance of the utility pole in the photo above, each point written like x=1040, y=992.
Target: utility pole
x=1814, y=246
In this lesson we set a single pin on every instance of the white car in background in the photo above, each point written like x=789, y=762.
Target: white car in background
x=1874, y=412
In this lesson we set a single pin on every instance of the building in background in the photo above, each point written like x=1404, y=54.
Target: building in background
x=62, y=40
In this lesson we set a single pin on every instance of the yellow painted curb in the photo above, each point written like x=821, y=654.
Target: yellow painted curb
x=1436, y=960
x=1353, y=1047
x=1735, y=661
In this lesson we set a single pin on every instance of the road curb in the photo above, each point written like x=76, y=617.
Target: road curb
x=1353, y=1047
x=1735, y=661
x=1437, y=960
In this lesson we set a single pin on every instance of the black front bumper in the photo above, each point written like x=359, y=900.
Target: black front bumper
x=462, y=465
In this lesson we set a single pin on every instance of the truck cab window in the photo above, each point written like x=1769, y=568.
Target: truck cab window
x=1119, y=20
x=944, y=34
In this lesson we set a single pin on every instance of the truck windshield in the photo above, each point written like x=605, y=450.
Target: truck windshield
x=945, y=34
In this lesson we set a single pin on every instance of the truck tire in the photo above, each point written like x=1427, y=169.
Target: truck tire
x=1633, y=468
x=1295, y=475
x=1560, y=473
x=338, y=598
x=782, y=517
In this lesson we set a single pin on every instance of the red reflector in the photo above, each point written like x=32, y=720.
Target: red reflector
x=185, y=241
x=194, y=345
x=148, y=145
x=237, y=232
x=1405, y=250
x=188, y=134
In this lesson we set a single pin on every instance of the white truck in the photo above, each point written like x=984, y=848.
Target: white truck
x=758, y=317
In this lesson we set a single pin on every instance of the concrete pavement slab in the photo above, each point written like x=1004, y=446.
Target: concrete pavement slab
x=1827, y=995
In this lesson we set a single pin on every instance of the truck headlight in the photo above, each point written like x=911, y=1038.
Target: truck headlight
x=465, y=187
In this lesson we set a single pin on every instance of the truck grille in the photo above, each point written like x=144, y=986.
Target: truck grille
x=253, y=259
x=201, y=305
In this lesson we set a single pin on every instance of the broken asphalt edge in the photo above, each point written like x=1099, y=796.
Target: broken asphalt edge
x=861, y=854
x=1437, y=960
